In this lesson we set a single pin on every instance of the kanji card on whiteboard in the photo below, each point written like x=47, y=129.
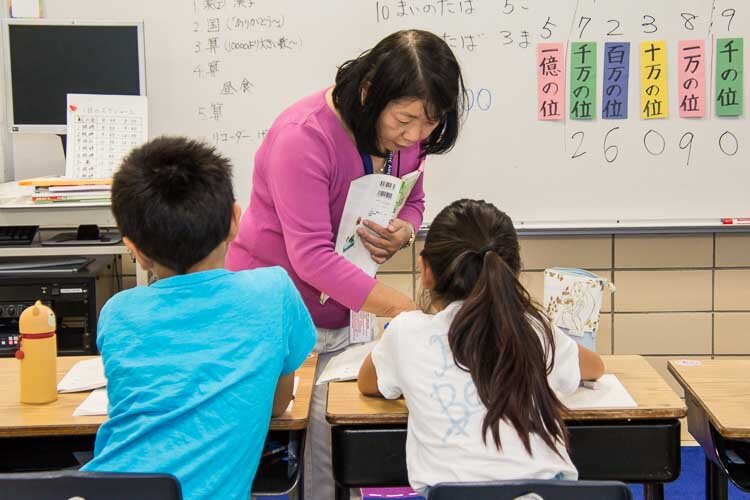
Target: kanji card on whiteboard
x=102, y=129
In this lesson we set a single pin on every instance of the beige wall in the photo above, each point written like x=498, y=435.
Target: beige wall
x=677, y=295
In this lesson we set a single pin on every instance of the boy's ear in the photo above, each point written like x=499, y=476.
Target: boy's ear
x=234, y=225
x=428, y=279
x=145, y=263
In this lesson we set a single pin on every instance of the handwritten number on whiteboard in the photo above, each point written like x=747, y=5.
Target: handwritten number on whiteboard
x=613, y=31
x=578, y=153
x=484, y=99
x=654, y=151
x=686, y=142
x=610, y=152
x=688, y=18
x=507, y=36
x=729, y=13
x=649, y=24
x=583, y=24
x=548, y=24
x=382, y=12
x=469, y=100
x=508, y=8
x=728, y=143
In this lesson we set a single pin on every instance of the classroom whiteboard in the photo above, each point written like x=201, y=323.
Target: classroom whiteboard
x=223, y=69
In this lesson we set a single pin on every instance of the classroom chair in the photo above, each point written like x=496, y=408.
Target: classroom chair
x=531, y=490
x=63, y=485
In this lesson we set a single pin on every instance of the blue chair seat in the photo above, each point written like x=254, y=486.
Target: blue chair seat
x=88, y=485
x=526, y=489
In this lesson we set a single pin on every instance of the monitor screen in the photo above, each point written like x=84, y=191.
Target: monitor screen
x=46, y=60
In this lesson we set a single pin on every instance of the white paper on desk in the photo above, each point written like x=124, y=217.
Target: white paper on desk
x=610, y=394
x=102, y=129
x=96, y=404
x=84, y=376
x=294, y=393
x=345, y=366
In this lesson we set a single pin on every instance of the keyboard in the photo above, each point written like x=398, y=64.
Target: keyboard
x=17, y=235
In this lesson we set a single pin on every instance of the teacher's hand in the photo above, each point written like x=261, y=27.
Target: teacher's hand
x=383, y=242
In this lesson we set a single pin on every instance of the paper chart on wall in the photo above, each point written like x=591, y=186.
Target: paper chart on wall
x=102, y=129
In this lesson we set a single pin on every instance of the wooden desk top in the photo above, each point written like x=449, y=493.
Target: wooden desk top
x=56, y=419
x=296, y=420
x=346, y=406
x=722, y=388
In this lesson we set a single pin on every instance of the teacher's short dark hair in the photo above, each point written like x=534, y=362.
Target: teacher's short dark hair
x=405, y=64
x=173, y=198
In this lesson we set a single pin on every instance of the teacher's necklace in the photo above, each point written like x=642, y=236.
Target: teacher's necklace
x=387, y=167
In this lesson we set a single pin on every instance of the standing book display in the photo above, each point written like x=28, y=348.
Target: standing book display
x=573, y=300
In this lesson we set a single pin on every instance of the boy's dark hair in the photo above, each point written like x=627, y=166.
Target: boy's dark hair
x=473, y=252
x=173, y=198
x=405, y=64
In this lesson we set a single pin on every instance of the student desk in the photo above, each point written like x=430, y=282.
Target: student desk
x=717, y=393
x=39, y=434
x=637, y=444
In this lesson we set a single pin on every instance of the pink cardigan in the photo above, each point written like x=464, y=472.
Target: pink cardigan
x=300, y=181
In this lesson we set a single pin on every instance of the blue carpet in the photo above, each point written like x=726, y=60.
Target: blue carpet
x=691, y=485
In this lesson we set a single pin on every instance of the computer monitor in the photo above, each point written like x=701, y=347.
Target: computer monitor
x=46, y=59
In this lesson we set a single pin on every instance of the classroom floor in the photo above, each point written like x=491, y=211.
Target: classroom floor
x=689, y=486
x=691, y=483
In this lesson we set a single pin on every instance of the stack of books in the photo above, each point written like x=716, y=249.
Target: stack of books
x=63, y=190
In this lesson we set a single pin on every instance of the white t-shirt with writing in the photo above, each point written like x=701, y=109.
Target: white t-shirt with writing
x=444, y=436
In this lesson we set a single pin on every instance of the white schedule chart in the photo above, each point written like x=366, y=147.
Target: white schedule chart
x=102, y=129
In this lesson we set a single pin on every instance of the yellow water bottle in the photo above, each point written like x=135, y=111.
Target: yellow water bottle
x=37, y=353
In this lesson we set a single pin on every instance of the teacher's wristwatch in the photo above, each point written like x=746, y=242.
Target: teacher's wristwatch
x=413, y=236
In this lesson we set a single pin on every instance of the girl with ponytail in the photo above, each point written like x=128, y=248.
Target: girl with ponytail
x=480, y=372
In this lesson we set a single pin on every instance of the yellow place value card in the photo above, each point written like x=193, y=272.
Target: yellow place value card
x=654, y=102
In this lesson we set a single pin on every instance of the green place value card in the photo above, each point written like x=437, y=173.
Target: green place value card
x=729, y=68
x=583, y=81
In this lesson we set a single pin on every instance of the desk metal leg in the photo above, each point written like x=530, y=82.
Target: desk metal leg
x=653, y=491
x=717, y=484
x=342, y=492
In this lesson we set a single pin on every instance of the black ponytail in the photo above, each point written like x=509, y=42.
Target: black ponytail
x=472, y=250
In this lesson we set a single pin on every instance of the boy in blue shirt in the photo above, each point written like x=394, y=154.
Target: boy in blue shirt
x=197, y=362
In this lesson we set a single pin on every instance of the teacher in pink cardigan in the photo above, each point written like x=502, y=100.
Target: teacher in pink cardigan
x=390, y=107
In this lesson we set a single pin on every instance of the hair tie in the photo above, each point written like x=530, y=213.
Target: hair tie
x=482, y=252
